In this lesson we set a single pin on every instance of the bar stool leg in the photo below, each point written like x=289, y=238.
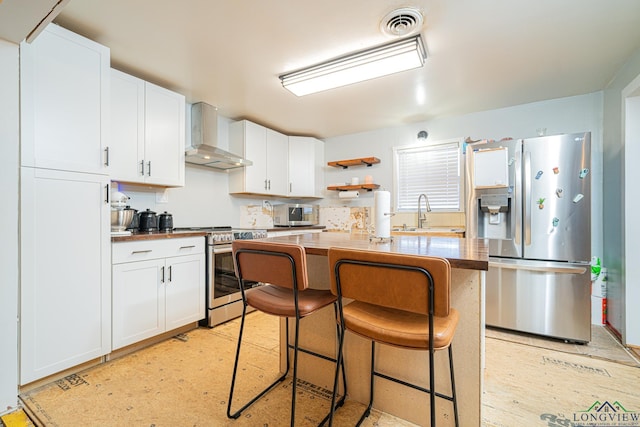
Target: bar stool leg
x=295, y=369
x=453, y=388
x=367, y=411
x=281, y=378
x=339, y=366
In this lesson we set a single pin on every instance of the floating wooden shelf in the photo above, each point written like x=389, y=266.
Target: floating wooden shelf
x=344, y=164
x=367, y=187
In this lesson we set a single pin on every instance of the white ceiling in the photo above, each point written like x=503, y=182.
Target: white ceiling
x=482, y=54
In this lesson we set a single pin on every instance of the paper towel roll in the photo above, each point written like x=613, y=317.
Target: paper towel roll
x=382, y=214
x=348, y=194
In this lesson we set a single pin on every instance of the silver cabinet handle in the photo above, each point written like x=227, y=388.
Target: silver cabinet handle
x=149, y=168
x=106, y=197
x=169, y=274
x=141, y=252
x=265, y=184
x=106, y=152
x=162, y=279
x=290, y=187
x=142, y=167
x=187, y=247
x=269, y=185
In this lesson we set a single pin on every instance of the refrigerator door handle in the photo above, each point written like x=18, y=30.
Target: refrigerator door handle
x=518, y=201
x=526, y=205
x=546, y=267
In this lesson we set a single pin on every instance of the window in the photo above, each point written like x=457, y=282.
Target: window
x=433, y=169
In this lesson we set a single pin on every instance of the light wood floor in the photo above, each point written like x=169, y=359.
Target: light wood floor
x=184, y=382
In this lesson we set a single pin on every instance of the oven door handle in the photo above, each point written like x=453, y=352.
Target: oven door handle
x=221, y=249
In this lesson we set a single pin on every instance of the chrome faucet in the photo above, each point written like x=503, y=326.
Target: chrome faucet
x=422, y=217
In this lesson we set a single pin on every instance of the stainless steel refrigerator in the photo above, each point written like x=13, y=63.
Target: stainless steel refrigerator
x=531, y=198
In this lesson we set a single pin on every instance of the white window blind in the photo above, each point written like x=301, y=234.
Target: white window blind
x=430, y=169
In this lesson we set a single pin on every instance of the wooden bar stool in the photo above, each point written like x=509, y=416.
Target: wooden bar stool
x=398, y=300
x=285, y=293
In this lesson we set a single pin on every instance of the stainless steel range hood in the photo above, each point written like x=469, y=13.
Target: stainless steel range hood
x=204, y=148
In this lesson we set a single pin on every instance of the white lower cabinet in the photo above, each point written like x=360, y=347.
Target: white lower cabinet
x=158, y=286
x=65, y=269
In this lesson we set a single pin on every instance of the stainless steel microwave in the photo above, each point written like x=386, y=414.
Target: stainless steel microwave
x=287, y=215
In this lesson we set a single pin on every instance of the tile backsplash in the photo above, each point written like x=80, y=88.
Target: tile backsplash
x=344, y=218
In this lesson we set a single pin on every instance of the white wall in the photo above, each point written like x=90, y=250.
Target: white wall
x=631, y=111
x=564, y=115
x=9, y=167
x=614, y=219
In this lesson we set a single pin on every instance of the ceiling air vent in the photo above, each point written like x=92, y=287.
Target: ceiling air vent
x=402, y=22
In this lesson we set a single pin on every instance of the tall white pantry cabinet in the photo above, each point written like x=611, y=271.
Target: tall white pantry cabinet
x=65, y=270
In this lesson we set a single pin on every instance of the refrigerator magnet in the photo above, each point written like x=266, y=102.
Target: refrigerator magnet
x=555, y=221
x=578, y=197
x=539, y=174
x=559, y=192
x=540, y=203
x=556, y=170
x=583, y=173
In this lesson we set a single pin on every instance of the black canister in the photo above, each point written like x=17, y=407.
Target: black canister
x=147, y=221
x=165, y=222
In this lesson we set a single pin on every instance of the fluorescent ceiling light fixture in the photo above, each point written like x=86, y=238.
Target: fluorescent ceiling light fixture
x=368, y=64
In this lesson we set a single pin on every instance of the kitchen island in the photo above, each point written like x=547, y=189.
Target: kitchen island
x=469, y=261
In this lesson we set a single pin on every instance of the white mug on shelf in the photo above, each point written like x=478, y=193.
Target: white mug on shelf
x=355, y=180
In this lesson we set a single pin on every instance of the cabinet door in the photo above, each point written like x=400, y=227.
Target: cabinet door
x=255, y=149
x=301, y=166
x=138, y=301
x=277, y=163
x=64, y=89
x=65, y=294
x=126, y=149
x=184, y=285
x=164, y=136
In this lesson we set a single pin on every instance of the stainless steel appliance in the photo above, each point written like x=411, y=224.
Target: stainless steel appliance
x=287, y=215
x=204, y=148
x=224, y=300
x=531, y=198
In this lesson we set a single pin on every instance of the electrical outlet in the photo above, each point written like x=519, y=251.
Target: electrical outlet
x=162, y=196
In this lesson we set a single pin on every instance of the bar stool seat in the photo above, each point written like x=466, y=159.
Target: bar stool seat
x=281, y=270
x=280, y=302
x=399, y=328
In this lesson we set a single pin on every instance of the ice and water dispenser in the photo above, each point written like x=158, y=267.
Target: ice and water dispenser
x=494, y=221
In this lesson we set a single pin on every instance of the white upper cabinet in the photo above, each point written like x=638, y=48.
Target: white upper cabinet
x=147, y=132
x=269, y=152
x=306, y=158
x=64, y=92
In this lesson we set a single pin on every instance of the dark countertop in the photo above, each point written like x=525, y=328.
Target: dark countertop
x=471, y=254
x=157, y=235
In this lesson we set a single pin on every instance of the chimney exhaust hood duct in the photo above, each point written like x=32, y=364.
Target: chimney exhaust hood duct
x=204, y=140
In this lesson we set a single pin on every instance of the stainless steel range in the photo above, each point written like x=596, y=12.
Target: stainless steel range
x=224, y=300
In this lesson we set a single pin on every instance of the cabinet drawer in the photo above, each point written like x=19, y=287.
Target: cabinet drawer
x=153, y=249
